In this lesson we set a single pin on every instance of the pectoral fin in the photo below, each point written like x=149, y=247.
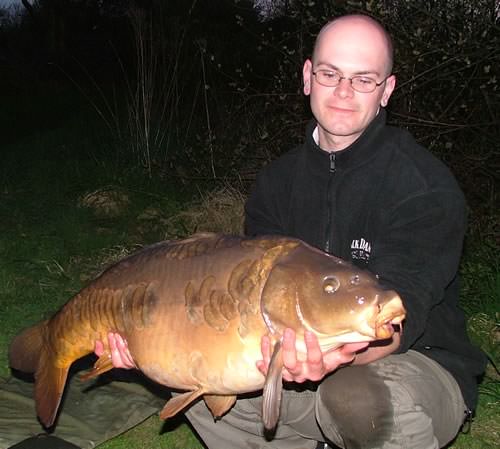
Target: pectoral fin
x=101, y=365
x=178, y=403
x=272, y=389
x=219, y=405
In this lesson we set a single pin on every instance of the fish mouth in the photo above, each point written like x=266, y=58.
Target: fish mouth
x=391, y=313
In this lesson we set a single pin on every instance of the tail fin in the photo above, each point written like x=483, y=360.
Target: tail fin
x=28, y=352
x=50, y=380
x=25, y=349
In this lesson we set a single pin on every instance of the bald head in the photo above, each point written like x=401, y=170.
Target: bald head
x=364, y=31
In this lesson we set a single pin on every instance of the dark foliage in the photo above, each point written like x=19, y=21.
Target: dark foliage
x=213, y=89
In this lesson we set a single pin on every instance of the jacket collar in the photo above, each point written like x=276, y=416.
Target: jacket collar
x=361, y=150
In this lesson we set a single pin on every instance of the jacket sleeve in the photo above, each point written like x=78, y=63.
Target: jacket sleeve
x=419, y=252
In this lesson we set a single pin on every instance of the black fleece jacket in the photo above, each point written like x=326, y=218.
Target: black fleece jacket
x=386, y=204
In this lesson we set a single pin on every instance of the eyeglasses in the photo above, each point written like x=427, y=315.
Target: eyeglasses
x=360, y=83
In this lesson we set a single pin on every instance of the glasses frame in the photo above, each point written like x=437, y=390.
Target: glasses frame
x=314, y=72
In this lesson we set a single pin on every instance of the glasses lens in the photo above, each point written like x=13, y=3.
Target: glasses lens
x=363, y=84
x=327, y=78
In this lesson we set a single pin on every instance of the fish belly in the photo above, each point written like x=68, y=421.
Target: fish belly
x=187, y=357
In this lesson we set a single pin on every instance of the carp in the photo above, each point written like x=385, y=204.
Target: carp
x=194, y=311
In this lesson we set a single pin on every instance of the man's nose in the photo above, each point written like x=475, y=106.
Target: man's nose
x=344, y=88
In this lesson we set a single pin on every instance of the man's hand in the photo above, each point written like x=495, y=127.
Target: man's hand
x=120, y=355
x=314, y=365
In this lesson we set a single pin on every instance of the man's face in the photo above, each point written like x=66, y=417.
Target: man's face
x=351, y=47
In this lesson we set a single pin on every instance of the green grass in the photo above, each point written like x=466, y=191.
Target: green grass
x=155, y=434
x=485, y=430
x=50, y=247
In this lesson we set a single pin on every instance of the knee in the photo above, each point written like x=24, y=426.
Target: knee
x=355, y=405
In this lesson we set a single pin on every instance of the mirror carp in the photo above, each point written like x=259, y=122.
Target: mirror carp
x=194, y=311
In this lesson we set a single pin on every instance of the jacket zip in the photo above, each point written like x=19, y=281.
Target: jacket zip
x=328, y=232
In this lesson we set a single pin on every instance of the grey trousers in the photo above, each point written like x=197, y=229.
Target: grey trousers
x=403, y=401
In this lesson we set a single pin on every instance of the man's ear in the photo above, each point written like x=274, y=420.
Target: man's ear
x=307, y=76
x=390, y=84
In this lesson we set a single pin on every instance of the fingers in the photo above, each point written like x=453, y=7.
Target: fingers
x=265, y=347
x=300, y=368
x=336, y=358
x=342, y=356
x=120, y=354
x=292, y=368
x=314, y=354
x=290, y=355
x=351, y=348
x=315, y=365
x=99, y=348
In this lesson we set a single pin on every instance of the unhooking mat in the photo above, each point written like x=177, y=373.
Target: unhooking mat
x=91, y=412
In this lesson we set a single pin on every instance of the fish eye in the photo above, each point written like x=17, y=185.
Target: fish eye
x=331, y=284
x=355, y=280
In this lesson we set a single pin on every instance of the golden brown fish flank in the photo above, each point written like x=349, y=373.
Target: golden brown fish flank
x=193, y=313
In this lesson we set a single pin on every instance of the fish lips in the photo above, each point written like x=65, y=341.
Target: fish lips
x=391, y=313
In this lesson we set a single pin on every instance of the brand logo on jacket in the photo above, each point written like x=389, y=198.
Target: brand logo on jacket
x=361, y=249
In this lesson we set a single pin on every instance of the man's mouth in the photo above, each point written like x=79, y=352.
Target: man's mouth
x=341, y=110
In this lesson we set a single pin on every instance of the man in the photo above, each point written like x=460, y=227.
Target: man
x=369, y=193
